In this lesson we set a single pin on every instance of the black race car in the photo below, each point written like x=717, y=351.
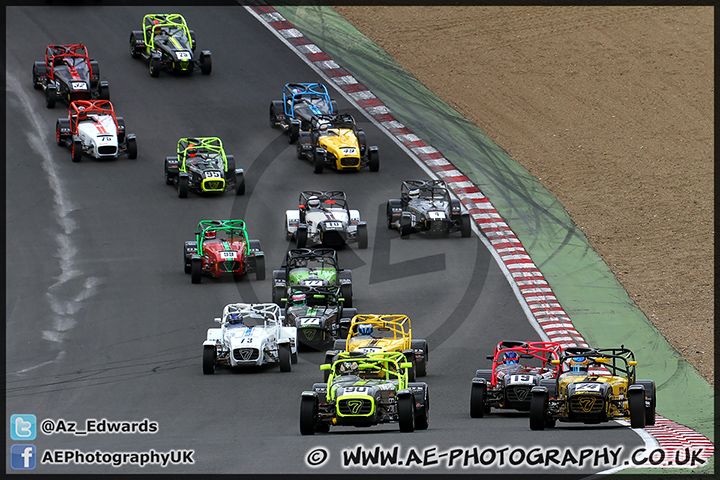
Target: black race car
x=335, y=141
x=301, y=101
x=202, y=166
x=314, y=267
x=426, y=206
x=318, y=314
x=165, y=42
x=69, y=74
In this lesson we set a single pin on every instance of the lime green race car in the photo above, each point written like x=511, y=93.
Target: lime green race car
x=365, y=389
x=166, y=43
x=202, y=166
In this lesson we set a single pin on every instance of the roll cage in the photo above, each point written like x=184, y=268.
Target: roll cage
x=232, y=227
x=429, y=190
x=392, y=365
x=619, y=362
x=171, y=24
x=80, y=110
x=269, y=312
x=328, y=199
x=299, y=257
x=396, y=327
x=322, y=122
x=544, y=352
x=319, y=295
x=205, y=146
x=55, y=54
x=312, y=92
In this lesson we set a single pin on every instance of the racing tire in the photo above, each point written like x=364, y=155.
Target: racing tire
x=301, y=237
x=36, y=85
x=346, y=292
x=205, y=64
x=294, y=357
x=50, y=98
x=406, y=413
x=182, y=186
x=477, y=400
x=649, y=392
x=196, y=270
x=405, y=226
x=537, y=411
x=636, y=405
x=299, y=152
x=465, y=226
x=76, y=151
x=339, y=344
x=272, y=117
x=208, y=360
x=154, y=66
x=259, y=268
x=328, y=359
x=132, y=148
x=318, y=162
x=133, y=51
x=186, y=264
x=374, y=161
x=412, y=371
x=278, y=294
x=104, y=92
x=422, y=417
x=308, y=409
x=334, y=106
x=239, y=184
x=362, y=236
x=58, y=137
x=285, y=357
x=294, y=133
x=423, y=361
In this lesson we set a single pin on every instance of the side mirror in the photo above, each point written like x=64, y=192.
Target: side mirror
x=325, y=366
x=406, y=365
x=602, y=360
x=217, y=319
x=283, y=300
x=632, y=363
x=555, y=362
x=489, y=357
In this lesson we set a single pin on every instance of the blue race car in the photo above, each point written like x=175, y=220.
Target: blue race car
x=301, y=101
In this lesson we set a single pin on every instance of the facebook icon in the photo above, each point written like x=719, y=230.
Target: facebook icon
x=22, y=457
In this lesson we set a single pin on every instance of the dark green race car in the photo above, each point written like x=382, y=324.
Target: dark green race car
x=365, y=389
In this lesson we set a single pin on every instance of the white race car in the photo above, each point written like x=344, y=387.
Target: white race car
x=250, y=334
x=323, y=218
x=93, y=129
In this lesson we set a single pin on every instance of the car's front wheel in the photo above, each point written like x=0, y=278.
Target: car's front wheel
x=537, y=410
x=76, y=151
x=205, y=64
x=132, y=148
x=208, y=359
x=406, y=413
x=465, y=225
x=374, y=162
x=318, y=162
x=477, y=400
x=239, y=184
x=154, y=67
x=196, y=270
x=260, y=268
x=362, y=235
x=285, y=357
x=308, y=412
x=182, y=187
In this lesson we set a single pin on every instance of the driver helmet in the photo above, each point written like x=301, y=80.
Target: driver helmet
x=298, y=299
x=510, y=357
x=365, y=329
x=414, y=193
x=349, y=368
x=234, y=318
x=313, y=202
x=210, y=234
x=579, y=364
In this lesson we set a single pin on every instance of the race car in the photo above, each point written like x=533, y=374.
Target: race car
x=250, y=334
x=315, y=267
x=93, y=129
x=319, y=314
x=595, y=385
x=365, y=389
x=222, y=247
x=300, y=102
x=202, y=166
x=165, y=42
x=69, y=74
x=335, y=141
x=516, y=367
x=384, y=333
x=426, y=206
x=323, y=218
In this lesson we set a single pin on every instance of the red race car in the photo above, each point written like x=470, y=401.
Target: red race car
x=222, y=247
x=69, y=74
x=516, y=368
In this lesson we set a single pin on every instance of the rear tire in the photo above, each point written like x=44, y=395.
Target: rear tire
x=154, y=67
x=406, y=413
x=104, y=92
x=196, y=270
x=362, y=235
x=50, y=98
x=278, y=293
x=422, y=417
x=318, y=162
x=284, y=356
x=132, y=148
x=133, y=51
x=205, y=64
x=537, y=411
x=294, y=357
x=477, y=400
x=272, y=116
x=76, y=151
x=294, y=132
x=58, y=137
x=208, y=359
x=239, y=184
x=308, y=408
x=465, y=226
x=412, y=371
x=259, y=268
x=374, y=162
x=346, y=292
x=182, y=187
x=36, y=85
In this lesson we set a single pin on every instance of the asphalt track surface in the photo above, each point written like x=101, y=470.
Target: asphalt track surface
x=103, y=323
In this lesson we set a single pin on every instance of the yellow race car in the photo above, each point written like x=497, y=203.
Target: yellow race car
x=384, y=333
x=335, y=141
x=594, y=385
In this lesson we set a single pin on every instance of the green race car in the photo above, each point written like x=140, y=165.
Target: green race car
x=201, y=165
x=365, y=389
x=316, y=267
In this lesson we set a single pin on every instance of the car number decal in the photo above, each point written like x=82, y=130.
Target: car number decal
x=212, y=174
x=333, y=224
x=436, y=215
x=229, y=254
x=309, y=321
x=369, y=349
x=78, y=85
x=183, y=55
x=587, y=387
x=355, y=390
x=348, y=150
x=520, y=379
x=314, y=282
